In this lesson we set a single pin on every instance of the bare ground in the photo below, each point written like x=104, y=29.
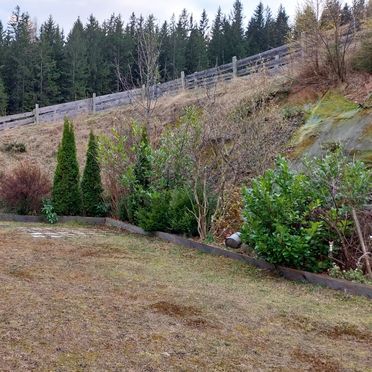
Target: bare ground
x=98, y=300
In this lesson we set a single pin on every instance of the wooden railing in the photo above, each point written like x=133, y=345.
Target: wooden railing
x=271, y=60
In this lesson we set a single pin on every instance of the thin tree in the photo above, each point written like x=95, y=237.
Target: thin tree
x=66, y=194
x=91, y=184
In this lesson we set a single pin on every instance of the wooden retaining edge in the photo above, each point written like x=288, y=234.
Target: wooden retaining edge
x=290, y=274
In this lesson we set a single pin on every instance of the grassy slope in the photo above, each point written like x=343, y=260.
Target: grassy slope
x=116, y=302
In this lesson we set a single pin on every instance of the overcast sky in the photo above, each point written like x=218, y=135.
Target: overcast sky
x=65, y=12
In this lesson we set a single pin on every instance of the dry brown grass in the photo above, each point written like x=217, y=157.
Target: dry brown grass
x=42, y=140
x=122, y=302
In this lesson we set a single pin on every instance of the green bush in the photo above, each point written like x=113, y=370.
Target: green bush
x=91, y=184
x=48, y=211
x=168, y=210
x=66, y=196
x=181, y=217
x=362, y=60
x=132, y=202
x=155, y=215
x=279, y=222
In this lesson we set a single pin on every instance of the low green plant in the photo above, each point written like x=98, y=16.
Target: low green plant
x=49, y=212
x=354, y=275
x=154, y=215
x=279, y=221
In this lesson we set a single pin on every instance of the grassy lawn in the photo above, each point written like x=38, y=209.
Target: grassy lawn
x=91, y=299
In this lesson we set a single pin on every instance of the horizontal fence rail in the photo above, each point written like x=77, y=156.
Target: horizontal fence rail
x=271, y=60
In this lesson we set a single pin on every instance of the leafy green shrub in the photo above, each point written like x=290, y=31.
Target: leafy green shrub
x=91, y=184
x=49, y=212
x=23, y=189
x=132, y=202
x=66, y=195
x=155, y=215
x=354, y=275
x=182, y=219
x=340, y=184
x=279, y=221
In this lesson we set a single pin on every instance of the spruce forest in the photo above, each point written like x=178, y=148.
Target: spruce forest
x=43, y=65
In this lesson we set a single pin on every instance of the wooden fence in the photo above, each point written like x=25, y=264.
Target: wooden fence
x=271, y=60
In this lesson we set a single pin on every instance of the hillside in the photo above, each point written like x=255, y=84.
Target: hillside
x=292, y=118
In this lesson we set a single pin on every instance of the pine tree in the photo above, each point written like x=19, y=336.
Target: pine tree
x=97, y=68
x=281, y=27
x=3, y=99
x=256, y=31
x=48, y=68
x=215, y=49
x=66, y=191
x=76, y=63
x=91, y=184
x=18, y=71
x=235, y=38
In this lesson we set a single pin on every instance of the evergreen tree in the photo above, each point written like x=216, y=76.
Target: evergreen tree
x=165, y=56
x=256, y=31
x=48, y=68
x=19, y=64
x=281, y=27
x=3, y=99
x=234, y=35
x=91, y=184
x=76, y=63
x=269, y=31
x=179, y=44
x=97, y=68
x=216, y=47
x=346, y=15
x=66, y=191
x=196, y=51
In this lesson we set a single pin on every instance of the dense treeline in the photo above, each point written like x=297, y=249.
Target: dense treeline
x=45, y=66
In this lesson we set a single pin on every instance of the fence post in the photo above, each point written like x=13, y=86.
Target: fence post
x=277, y=61
x=94, y=103
x=303, y=44
x=36, y=113
x=234, y=67
x=183, y=82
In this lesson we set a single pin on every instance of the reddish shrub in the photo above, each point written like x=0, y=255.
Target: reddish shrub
x=23, y=188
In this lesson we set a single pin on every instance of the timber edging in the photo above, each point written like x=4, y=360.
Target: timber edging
x=345, y=286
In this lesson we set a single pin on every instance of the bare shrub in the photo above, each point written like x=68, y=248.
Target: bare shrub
x=23, y=188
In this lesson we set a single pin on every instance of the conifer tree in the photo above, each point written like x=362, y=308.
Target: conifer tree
x=66, y=194
x=3, y=99
x=91, y=184
x=215, y=50
x=256, y=31
x=281, y=27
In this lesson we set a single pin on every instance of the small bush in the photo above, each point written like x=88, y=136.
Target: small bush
x=279, y=220
x=14, y=147
x=155, y=215
x=131, y=203
x=181, y=217
x=168, y=210
x=48, y=212
x=23, y=189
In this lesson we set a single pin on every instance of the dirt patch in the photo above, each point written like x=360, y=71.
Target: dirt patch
x=317, y=362
x=174, y=310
